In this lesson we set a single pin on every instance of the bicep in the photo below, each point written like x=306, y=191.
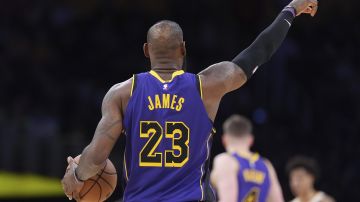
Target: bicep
x=221, y=78
x=109, y=128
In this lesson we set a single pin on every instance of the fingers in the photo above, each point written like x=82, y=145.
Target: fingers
x=313, y=4
x=66, y=189
x=71, y=187
x=314, y=10
x=308, y=10
x=67, y=193
x=69, y=159
x=76, y=196
x=311, y=7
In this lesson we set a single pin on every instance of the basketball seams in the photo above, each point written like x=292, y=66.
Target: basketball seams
x=95, y=181
x=100, y=190
x=108, y=173
x=107, y=182
x=92, y=186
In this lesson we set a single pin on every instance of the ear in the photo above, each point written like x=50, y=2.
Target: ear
x=224, y=140
x=146, y=50
x=183, y=49
x=251, y=140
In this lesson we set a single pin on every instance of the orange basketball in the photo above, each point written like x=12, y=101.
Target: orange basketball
x=101, y=186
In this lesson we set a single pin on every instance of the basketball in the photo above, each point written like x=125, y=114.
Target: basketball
x=101, y=186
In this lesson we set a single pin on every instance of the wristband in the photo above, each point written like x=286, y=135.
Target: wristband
x=78, y=180
x=291, y=9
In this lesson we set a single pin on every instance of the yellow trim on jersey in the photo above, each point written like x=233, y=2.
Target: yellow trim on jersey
x=250, y=157
x=201, y=93
x=174, y=74
x=132, y=85
x=252, y=195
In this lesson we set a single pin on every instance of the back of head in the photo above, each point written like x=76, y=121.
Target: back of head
x=165, y=43
x=165, y=33
x=237, y=126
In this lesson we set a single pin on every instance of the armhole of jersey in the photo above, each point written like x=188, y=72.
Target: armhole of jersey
x=199, y=85
x=133, y=84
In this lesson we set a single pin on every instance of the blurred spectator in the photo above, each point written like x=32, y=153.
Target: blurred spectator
x=303, y=173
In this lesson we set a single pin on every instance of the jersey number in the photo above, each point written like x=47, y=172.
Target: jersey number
x=252, y=195
x=177, y=156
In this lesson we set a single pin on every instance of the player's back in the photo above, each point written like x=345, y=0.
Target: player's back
x=253, y=178
x=168, y=137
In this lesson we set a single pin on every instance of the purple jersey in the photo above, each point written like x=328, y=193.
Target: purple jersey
x=168, y=138
x=253, y=178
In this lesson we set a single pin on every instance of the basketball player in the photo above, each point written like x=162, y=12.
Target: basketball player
x=303, y=172
x=239, y=174
x=167, y=115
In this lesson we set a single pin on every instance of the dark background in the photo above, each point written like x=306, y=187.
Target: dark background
x=58, y=58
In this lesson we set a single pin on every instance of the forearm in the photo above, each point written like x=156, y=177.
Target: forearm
x=266, y=44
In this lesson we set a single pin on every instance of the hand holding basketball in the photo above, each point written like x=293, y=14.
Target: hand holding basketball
x=95, y=189
x=70, y=184
x=305, y=6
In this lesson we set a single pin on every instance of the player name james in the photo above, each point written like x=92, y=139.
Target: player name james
x=165, y=101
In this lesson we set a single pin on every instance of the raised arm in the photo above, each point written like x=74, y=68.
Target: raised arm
x=94, y=156
x=224, y=77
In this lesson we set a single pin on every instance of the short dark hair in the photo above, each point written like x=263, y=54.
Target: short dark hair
x=166, y=30
x=237, y=126
x=309, y=164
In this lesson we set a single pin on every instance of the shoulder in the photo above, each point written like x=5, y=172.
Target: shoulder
x=327, y=198
x=123, y=87
x=267, y=162
x=226, y=160
x=269, y=166
x=119, y=92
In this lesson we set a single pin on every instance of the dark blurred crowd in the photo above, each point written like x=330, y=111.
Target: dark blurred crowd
x=58, y=58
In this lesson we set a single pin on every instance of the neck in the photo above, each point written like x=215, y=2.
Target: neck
x=306, y=196
x=172, y=66
x=239, y=148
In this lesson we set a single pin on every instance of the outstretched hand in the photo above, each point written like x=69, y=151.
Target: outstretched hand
x=70, y=184
x=305, y=6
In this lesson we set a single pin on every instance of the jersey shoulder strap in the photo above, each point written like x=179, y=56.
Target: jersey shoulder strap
x=199, y=85
x=133, y=84
x=135, y=78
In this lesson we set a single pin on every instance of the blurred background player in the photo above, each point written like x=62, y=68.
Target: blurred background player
x=167, y=115
x=239, y=174
x=303, y=173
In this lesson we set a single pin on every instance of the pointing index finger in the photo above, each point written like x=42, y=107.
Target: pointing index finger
x=314, y=10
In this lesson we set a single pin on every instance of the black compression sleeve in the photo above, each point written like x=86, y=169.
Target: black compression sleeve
x=265, y=45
